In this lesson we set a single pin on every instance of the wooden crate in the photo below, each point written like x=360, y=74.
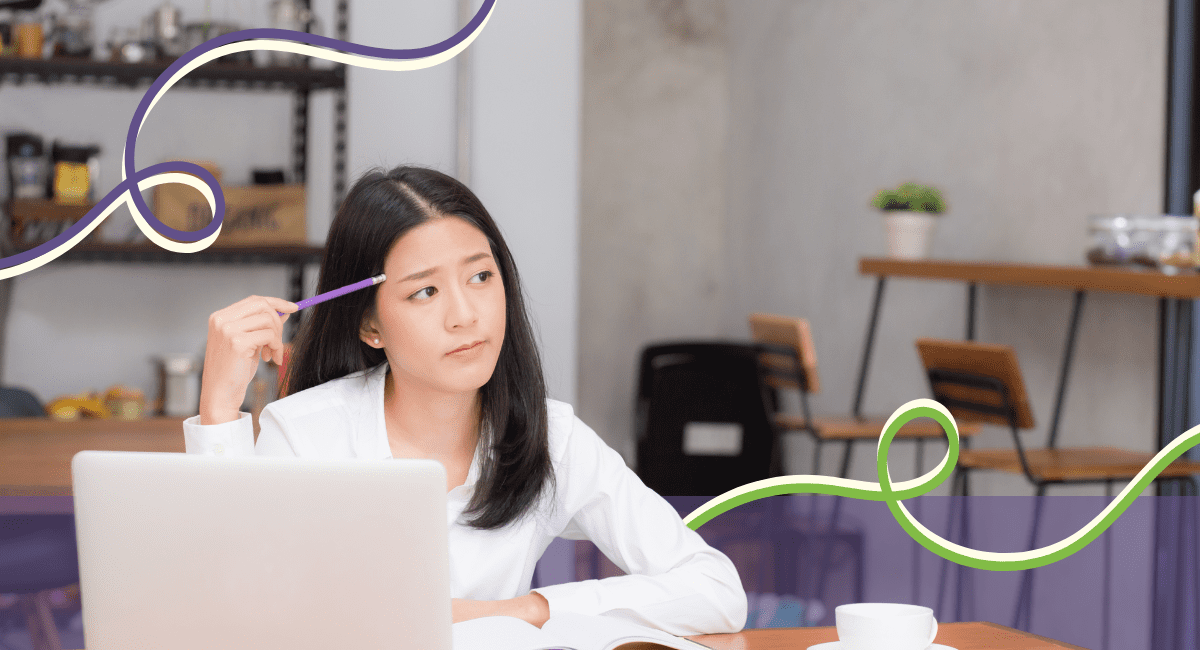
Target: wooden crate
x=37, y=220
x=254, y=214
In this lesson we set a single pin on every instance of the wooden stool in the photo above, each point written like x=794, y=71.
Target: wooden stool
x=982, y=382
x=797, y=369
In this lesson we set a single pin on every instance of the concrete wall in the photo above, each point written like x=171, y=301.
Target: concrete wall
x=1030, y=116
x=74, y=327
x=655, y=141
x=525, y=162
x=731, y=171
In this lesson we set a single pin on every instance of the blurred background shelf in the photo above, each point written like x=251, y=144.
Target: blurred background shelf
x=216, y=254
x=45, y=210
x=295, y=257
x=215, y=74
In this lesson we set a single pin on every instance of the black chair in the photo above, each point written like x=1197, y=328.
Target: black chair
x=687, y=388
x=37, y=552
x=19, y=403
x=694, y=388
x=689, y=391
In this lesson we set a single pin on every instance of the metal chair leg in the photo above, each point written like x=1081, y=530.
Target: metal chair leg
x=827, y=552
x=847, y=450
x=916, y=511
x=967, y=581
x=865, y=363
x=1180, y=553
x=950, y=521
x=961, y=574
x=43, y=633
x=1194, y=511
x=1189, y=529
x=594, y=561
x=1106, y=597
x=817, y=445
x=859, y=579
x=1024, y=612
x=774, y=512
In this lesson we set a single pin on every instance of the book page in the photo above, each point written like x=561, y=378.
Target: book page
x=497, y=633
x=565, y=632
x=607, y=633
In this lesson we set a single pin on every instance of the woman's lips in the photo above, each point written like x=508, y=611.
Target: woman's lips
x=466, y=349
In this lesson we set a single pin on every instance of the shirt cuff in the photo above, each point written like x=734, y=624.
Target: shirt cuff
x=234, y=438
x=575, y=597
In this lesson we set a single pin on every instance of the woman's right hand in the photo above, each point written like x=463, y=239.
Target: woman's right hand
x=238, y=336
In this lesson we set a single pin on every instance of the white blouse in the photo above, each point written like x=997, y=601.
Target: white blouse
x=676, y=582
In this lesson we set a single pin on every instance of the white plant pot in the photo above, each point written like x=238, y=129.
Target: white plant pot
x=909, y=234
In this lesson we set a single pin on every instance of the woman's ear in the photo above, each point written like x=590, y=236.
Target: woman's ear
x=369, y=332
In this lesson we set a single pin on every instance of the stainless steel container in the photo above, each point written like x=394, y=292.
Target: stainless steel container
x=180, y=374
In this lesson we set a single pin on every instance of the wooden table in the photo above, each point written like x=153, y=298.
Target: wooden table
x=1175, y=294
x=35, y=453
x=960, y=636
x=1111, y=279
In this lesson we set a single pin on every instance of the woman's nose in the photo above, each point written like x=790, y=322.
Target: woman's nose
x=462, y=310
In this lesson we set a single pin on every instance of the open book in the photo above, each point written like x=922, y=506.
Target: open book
x=565, y=631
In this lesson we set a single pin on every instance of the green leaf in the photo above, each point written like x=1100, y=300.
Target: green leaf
x=910, y=196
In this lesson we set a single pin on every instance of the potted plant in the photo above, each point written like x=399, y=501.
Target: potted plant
x=910, y=212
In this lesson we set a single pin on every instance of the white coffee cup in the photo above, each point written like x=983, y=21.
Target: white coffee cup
x=871, y=626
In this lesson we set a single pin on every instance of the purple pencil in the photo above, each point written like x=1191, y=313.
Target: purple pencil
x=319, y=298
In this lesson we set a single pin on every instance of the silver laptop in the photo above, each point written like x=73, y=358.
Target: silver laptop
x=193, y=552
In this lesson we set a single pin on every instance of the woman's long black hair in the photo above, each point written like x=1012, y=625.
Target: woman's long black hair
x=379, y=209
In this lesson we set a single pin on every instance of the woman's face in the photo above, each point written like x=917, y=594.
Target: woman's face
x=440, y=314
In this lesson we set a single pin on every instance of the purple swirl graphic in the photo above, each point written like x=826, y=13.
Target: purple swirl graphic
x=133, y=176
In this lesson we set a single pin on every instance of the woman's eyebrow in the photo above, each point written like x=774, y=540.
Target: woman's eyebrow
x=475, y=258
x=428, y=272
x=419, y=274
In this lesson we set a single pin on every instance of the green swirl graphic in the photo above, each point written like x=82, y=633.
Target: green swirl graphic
x=893, y=494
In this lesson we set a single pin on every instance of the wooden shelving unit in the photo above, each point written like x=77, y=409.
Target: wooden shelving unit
x=299, y=81
x=45, y=210
x=150, y=253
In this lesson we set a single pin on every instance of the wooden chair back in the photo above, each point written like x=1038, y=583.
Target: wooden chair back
x=799, y=372
x=988, y=360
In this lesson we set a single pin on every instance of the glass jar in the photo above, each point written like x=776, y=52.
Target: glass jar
x=74, y=30
x=1145, y=231
x=1111, y=239
x=1176, y=246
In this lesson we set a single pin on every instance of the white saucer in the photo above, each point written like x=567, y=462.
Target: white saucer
x=837, y=645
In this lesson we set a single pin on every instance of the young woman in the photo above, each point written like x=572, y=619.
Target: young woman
x=439, y=361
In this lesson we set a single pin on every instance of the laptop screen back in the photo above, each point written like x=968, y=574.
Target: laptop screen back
x=192, y=552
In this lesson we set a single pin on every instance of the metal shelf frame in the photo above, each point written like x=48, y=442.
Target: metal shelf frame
x=217, y=74
x=299, y=80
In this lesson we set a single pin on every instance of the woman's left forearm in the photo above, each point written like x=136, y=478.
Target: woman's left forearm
x=531, y=608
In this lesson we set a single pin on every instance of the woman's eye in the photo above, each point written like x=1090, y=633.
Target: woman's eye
x=427, y=292
x=482, y=275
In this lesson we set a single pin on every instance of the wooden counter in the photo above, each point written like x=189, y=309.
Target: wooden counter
x=1111, y=279
x=35, y=453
